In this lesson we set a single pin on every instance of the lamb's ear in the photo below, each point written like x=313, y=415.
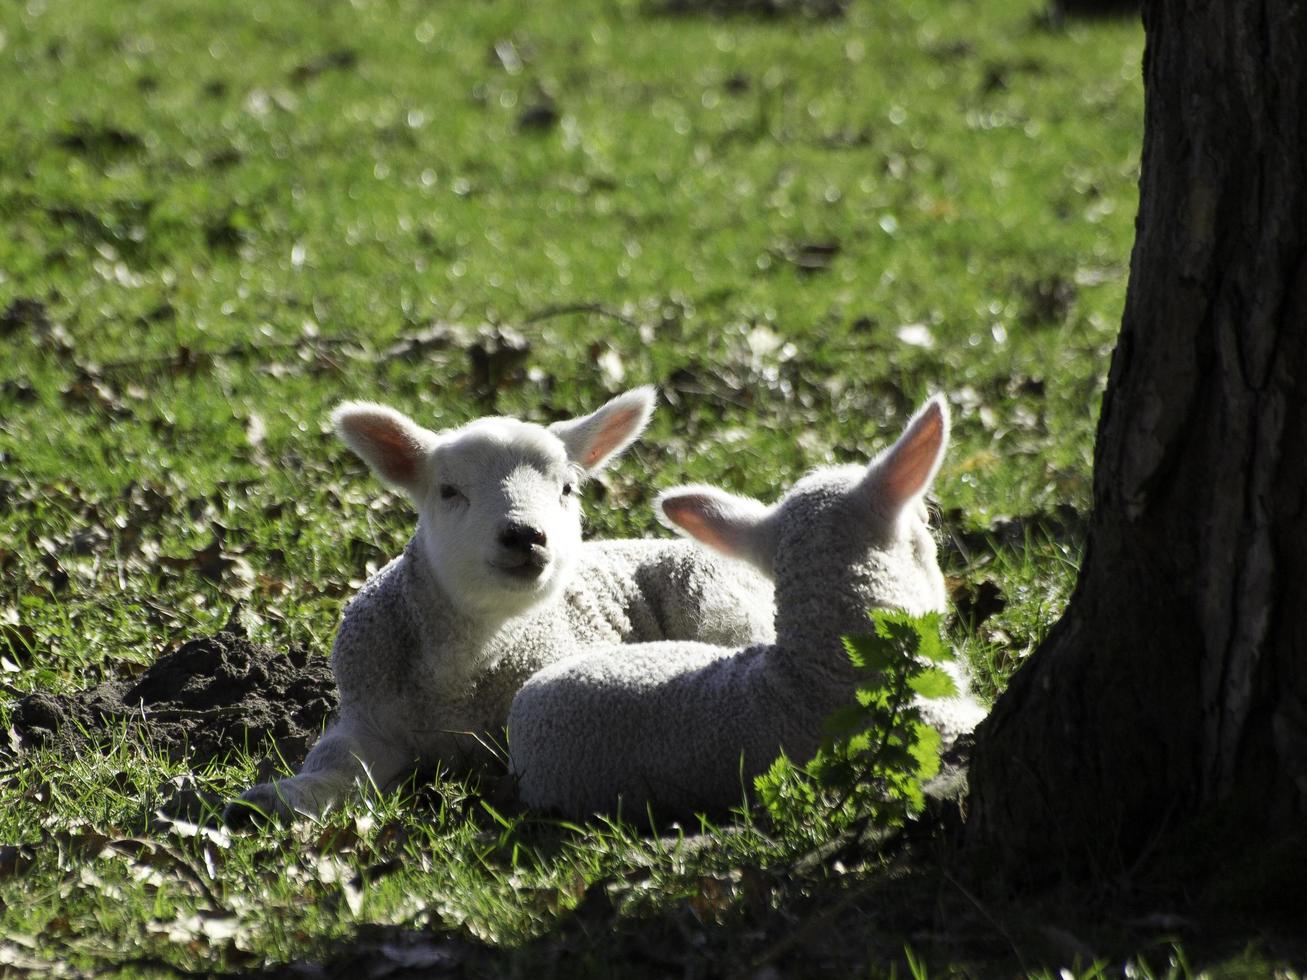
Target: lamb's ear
x=595, y=439
x=905, y=471
x=738, y=527
x=388, y=441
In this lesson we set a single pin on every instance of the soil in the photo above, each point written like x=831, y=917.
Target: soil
x=198, y=703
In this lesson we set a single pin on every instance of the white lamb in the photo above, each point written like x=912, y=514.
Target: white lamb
x=685, y=727
x=495, y=584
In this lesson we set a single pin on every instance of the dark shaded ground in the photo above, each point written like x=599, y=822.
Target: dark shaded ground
x=765, y=924
x=198, y=703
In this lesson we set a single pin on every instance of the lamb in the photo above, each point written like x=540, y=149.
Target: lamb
x=494, y=584
x=685, y=727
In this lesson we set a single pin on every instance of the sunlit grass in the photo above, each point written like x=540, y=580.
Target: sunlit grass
x=220, y=219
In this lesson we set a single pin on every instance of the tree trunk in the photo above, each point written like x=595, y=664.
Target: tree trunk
x=1173, y=693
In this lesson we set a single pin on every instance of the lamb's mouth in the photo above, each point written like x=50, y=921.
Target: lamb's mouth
x=525, y=570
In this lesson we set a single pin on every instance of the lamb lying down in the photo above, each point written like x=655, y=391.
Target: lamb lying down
x=685, y=727
x=494, y=585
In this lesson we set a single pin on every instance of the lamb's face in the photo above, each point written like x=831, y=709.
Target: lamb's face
x=501, y=520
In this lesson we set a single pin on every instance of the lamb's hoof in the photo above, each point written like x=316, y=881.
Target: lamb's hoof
x=258, y=806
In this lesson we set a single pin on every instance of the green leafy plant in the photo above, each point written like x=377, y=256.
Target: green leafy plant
x=877, y=751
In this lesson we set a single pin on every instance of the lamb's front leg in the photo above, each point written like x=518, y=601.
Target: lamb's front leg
x=350, y=754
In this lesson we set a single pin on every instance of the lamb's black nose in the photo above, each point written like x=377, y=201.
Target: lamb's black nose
x=522, y=537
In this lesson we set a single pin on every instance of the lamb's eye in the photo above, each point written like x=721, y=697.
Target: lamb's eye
x=448, y=491
x=569, y=489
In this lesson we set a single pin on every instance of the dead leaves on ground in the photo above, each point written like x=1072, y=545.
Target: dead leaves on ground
x=117, y=535
x=750, y=365
x=666, y=925
x=493, y=356
x=110, y=864
x=217, y=563
x=322, y=865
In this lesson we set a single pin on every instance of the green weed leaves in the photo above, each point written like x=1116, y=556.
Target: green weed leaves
x=877, y=751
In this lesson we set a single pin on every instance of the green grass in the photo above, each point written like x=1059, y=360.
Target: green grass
x=224, y=217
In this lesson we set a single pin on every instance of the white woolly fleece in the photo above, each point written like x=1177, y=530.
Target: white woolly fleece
x=686, y=727
x=426, y=678
x=495, y=584
x=422, y=683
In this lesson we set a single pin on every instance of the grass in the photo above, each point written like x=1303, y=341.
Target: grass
x=219, y=220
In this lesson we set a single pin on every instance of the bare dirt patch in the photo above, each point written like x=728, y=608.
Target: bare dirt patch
x=212, y=695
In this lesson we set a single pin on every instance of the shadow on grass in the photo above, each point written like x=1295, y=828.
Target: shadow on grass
x=920, y=913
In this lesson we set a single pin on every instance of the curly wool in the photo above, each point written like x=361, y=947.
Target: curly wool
x=684, y=728
x=489, y=590
x=414, y=670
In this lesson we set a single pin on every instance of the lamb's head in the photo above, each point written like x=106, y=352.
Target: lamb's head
x=499, y=515
x=842, y=536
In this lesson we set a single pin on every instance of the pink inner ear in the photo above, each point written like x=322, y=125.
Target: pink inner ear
x=390, y=448
x=700, y=517
x=615, y=432
x=911, y=463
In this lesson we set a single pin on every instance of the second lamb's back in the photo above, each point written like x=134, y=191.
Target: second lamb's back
x=651, y=589
x=686, y=727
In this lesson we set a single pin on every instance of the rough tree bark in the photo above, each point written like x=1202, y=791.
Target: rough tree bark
x=1175, y=686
